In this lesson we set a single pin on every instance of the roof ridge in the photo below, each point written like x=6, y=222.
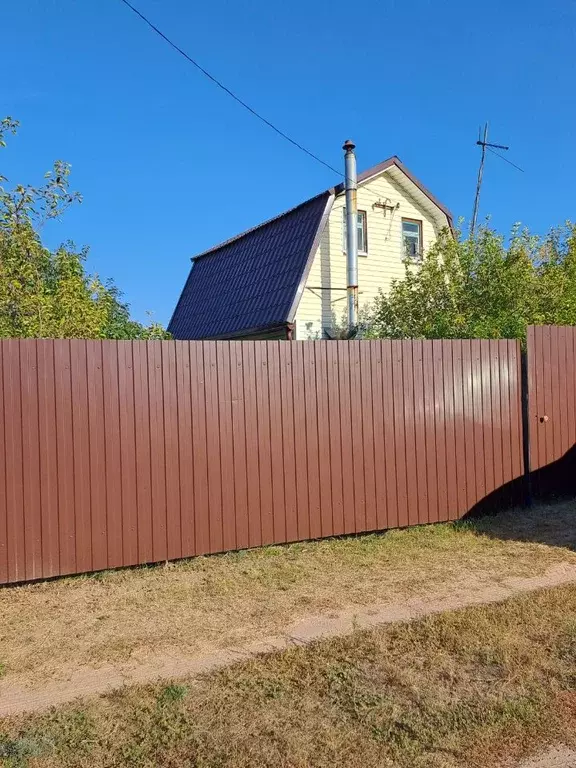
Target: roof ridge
x=258, y=226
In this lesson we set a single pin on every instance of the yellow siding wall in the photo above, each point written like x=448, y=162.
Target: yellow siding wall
x=321, y=308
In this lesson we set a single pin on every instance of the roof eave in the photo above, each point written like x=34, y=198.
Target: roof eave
x=314, y=247
x=276, y=326
x=395, y=161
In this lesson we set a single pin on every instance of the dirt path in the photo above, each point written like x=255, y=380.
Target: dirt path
x=557, y=757
x=15, y=699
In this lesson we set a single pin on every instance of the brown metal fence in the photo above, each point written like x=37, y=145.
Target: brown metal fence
x=551, y=352
x=119, y=453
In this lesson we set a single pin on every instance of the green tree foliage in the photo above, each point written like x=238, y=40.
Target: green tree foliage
x=46, y=293
x=485, y=288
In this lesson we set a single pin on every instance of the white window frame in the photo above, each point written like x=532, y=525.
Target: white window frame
x=363, y=224
x=419, y=251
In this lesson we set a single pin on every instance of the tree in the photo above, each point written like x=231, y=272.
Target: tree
x=482, y=288
x=46, y=293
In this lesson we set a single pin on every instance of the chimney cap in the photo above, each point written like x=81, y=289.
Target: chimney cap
x=349, y=145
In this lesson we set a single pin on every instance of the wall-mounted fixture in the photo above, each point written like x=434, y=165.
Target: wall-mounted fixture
x=386, y=205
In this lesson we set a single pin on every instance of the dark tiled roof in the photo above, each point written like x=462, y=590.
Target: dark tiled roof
x=249, y=282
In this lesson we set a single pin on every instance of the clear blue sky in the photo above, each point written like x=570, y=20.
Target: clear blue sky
x=169, y=165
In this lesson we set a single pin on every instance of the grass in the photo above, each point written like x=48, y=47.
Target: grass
x=48, y=630
x=468, y=688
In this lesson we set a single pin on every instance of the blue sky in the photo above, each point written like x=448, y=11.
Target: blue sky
x=169, y=165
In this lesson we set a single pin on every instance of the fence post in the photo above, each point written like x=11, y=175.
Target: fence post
x=524, y=363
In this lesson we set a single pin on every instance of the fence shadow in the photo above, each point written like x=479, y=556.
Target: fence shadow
x=542, y=510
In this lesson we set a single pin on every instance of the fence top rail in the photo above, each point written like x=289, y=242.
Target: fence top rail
x=262, y=342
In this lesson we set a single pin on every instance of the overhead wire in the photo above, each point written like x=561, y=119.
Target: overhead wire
x=236, y=98
x=227, y=90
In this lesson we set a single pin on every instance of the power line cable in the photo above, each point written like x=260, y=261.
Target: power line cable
x=236, y=98
x=228, y=91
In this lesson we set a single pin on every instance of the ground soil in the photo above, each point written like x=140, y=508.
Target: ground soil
x=557, y=757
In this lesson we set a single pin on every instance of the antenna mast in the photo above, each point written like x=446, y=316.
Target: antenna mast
x=482, y=142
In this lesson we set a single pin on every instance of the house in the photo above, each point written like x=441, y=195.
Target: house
x=286, y=278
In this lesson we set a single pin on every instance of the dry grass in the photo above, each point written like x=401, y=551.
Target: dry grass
x=475, y=688
x=49, y=629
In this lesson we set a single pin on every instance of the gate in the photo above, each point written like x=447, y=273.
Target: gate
x=551, y=366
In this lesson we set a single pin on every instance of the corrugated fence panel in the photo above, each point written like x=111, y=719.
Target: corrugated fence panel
x=551, y=352
x=117, y=453
x=14, y=458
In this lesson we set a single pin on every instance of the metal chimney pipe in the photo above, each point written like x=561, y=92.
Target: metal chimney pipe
x=351, y=233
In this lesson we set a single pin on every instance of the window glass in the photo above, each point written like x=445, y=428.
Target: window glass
x=412, y=238
x=361, y=231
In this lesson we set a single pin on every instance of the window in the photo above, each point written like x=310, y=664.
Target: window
x=412, y=238
x=362, y=232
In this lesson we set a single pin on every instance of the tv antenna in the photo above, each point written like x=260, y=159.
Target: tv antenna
x=486, y=145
